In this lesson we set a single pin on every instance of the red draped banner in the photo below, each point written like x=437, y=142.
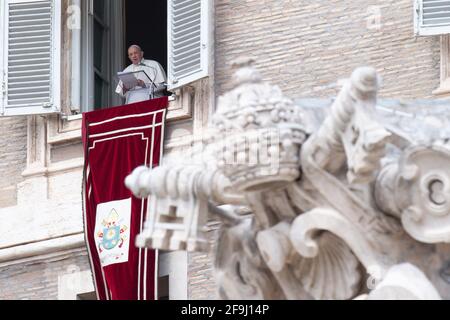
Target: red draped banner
x=116, y=141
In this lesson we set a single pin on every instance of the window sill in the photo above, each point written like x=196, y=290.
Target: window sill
x=444, y=89
x=63, y=129
x=72, y=118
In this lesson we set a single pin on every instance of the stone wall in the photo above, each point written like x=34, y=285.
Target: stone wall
x=39, y=279
x=13, y=157
x=306, y=46
x=201, y=282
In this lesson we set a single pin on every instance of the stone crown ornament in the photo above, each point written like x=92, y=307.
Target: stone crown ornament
x=262, y=133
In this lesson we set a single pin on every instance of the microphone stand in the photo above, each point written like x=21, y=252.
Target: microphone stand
x=153, y=86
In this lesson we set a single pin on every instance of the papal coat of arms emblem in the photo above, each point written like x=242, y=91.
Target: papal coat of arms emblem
x=112, y=231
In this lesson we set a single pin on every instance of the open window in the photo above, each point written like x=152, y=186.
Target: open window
x=109, y=28
x=176, y=33
x=173, y=32
x=146, y=26
x=101, y=46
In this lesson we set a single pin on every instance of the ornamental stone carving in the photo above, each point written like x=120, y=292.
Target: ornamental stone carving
x=334, y=197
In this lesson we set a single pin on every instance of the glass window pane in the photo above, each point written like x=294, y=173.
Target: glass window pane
x=100, y=9
x=99, y=93
x=99, y=49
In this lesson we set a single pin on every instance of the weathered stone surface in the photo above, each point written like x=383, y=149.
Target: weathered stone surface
x=364, y=197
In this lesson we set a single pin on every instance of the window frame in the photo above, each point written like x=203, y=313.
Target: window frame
x=105, y=72
x=86, y=46
x=81, y=96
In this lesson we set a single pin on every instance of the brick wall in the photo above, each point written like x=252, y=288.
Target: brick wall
x=306, y=46
x=13, y=157
x=201, y=283
x=38, y=280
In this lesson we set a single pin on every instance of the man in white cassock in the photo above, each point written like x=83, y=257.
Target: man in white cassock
x=146, y=88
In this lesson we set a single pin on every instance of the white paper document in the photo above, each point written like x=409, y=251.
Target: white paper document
x=128, y=79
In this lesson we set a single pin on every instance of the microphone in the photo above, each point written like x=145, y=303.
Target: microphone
x=154, y=86
x=154, y=70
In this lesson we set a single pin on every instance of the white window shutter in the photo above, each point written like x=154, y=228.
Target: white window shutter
x=431, y=17
x=188, y=41
x=31, y=57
